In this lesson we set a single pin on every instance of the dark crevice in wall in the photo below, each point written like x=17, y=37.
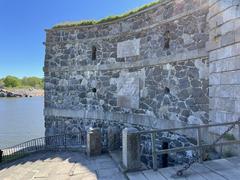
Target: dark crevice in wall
x=94, y=53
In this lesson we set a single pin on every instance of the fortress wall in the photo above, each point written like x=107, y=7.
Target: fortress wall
x=224, y=57
x=151, y=69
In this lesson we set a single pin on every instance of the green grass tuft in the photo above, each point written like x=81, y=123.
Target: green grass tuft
x=106, y=19
x=229, y=137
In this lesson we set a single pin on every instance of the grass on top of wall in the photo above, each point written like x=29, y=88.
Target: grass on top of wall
x=107, y=19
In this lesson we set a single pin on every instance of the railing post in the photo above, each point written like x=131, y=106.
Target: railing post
x=65, y=141
x=199, y=144
x=113, y=138
x=154, y=153
x=1, y=155
x=94, y=143
x=131, y=149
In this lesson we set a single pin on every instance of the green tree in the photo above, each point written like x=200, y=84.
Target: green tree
x=32, y=82
x=1, y=83
x=11, y=81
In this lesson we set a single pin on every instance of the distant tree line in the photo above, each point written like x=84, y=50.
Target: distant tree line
x=26, y=82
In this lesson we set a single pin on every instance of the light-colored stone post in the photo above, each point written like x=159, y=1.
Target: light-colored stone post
x=131, y=149
x=113, y=138
x=94, y=146
x=238, y=137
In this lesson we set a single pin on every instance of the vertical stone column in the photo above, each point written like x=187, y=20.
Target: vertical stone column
x=224, y=61
x=131, y=149
x=94, y=146
x=113, y=138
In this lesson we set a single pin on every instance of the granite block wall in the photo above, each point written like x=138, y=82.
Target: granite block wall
x=224, y=61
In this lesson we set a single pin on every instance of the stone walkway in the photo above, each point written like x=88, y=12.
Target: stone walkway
x=61, y=166
x=75, y=165
x=221, y=169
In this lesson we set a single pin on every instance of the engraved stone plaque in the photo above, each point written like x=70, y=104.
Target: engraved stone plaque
x=128, y=48
x=128, y=91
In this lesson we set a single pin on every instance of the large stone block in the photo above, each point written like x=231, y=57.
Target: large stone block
x=231, y=77
x=228, y=38
x=214, y=79
x=237, y=107
x=237, y=35
x=236, y=90
x=223, y=104
x=227, y=27
x=230, y=13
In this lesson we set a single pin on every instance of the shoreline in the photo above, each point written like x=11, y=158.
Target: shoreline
x=25, y=92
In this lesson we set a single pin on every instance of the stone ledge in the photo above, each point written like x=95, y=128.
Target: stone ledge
x=196, y=54
x=131, y=119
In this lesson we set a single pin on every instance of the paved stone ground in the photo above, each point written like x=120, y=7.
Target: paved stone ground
x=220, y=169
x=75, y=165
x=61, y=166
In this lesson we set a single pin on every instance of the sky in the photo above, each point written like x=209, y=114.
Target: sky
x=22, y=24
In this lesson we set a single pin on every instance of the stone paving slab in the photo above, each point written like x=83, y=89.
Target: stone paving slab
x=206, y=172
x=153, y=175
x=75, y=165
x=61, y=166
x=224, y=168
x=221, y=169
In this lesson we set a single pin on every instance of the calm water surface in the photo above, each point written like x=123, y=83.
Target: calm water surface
x=21, y=119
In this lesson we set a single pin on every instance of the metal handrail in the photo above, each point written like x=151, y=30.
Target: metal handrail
x=44, y=143
x=57, y=142
x=199, y=147
x=187, y=128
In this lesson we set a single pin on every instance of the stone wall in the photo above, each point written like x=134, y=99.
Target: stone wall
x=151, y=69
x=224, y=57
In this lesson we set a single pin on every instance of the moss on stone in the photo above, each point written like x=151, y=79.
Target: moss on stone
x=106, y=19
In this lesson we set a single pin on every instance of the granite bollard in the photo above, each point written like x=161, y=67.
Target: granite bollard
x=131, y=149
x=94, y=146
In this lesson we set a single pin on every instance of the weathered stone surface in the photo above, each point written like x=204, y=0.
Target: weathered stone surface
x=114, y=138
x=94, y=143
x=131, y=149
x=128, y=90
x=224, y=62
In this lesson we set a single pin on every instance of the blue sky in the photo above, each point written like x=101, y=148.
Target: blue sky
x=22, y=24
